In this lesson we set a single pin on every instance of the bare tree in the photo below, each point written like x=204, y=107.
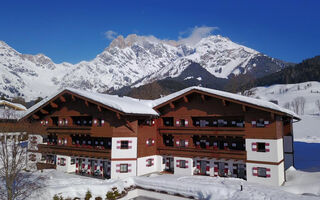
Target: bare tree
x=287, y=105
x=16, y=183
x=298, y=105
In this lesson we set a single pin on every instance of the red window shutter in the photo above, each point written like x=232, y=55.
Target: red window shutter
x=198, y=165
x=178, y=163
x=254, y=146
x=129, y=144
x=254, y=171
x=216, y=169
x=187, y=164
x=177, y=122
x=226, y=168
x=208, y=166
x=225, y=145
x=186, y=143
x=267, y=147
x=186, y=122
x=253, y=123
x=118, y=168
x=268, y=172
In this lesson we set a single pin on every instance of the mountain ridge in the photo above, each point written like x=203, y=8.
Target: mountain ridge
x=127, y=62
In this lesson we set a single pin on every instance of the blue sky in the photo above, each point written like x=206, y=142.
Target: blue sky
x=75, y=30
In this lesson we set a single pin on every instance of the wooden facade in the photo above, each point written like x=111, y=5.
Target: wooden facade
x=195, y=125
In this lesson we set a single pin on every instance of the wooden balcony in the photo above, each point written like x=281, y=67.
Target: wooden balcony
x=209, y=153
x=45, y=166
x=69, y=129
x=223, y=131
x=75, y=151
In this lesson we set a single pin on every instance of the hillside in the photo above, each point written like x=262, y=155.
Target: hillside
x=307, y=70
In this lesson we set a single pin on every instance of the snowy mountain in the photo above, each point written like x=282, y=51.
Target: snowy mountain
x=131, y=61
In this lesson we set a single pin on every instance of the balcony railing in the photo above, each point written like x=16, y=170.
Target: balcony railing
x=69, y=129
x=75, y=151
x=233, y=131
x=197, y=152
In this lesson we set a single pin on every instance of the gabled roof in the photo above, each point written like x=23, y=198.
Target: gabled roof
x=128, y=105
x=125, y=105
x=16, y=106
x=226, y=95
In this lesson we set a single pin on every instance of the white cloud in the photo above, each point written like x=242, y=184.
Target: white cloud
x=196, y=34
x=110, y=35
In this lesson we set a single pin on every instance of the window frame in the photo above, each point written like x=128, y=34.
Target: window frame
x=259, y=147
x=182, y=163
x=126, y=167
x=264, y=173
x=124, y=144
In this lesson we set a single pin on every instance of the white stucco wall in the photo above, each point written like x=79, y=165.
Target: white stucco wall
x=68, y=167
x=143, y=169
x=183, y=171
x=118, y=175
x=124, y=153
x=274, y=155
x=276, y=172
x=39, y=140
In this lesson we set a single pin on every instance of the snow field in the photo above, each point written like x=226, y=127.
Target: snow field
x=199, y=187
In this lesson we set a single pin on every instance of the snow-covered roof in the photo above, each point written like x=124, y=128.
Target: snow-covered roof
x=126, y=105
x=9, y=114
x=236, y=97
x=14, y=105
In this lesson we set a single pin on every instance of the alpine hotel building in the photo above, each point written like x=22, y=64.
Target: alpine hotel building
x=196, y=131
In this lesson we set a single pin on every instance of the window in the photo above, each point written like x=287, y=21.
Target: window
x=262, y=172
x=72, y=162
x=261, y=147
x=62, y=161
x=149, y=162
x=182, y=143
x=124, y=145
x=123, y=168
x=182, y=122
x=260, y=123
x=183, y=164
x=168, y=121
x=150, y=142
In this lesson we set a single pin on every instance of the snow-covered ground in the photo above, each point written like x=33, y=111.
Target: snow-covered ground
x=199, y=187
x=286, y=93
x=307, y=130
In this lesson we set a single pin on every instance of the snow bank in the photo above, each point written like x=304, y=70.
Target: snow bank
x=199, y=187
x=202, y=187
x=299, y=182
x=69, y=185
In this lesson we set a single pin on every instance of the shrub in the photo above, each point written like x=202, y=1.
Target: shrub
x=88, y=195
x=114, y=194
x=56, y=197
